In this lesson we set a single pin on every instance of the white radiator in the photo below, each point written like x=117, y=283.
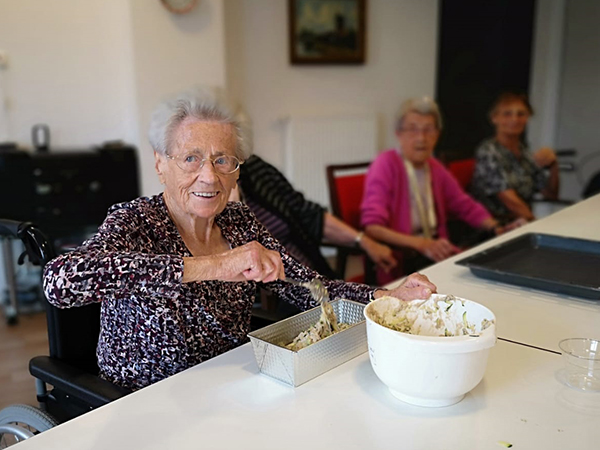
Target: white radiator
x=313, y=143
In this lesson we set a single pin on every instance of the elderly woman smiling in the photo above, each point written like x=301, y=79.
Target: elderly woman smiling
x=177, y=273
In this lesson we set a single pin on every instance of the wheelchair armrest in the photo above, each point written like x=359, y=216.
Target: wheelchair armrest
x=89, y=388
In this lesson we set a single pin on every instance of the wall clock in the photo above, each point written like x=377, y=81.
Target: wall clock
x=179, y=6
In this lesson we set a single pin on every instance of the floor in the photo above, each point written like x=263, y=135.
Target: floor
x=18, y=344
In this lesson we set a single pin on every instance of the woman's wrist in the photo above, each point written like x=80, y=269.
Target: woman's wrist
x=418, y=243
x=359, y=238
x=379, y=292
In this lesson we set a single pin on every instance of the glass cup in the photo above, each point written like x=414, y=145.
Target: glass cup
x=582, y=363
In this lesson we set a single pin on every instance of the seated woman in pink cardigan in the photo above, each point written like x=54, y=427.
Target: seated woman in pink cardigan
x=409, y=195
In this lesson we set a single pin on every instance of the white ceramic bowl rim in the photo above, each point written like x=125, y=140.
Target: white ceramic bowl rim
x=442, y=344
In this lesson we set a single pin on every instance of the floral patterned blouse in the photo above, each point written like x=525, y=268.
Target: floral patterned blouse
x=152, y=324
x=497, y=169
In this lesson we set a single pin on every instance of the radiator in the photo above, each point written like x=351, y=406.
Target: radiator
x=313, y=143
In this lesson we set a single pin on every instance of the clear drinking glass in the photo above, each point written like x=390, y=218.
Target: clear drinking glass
x=582, y=363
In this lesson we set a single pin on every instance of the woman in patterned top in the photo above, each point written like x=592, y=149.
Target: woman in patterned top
x=506, y=175
x=177, y=273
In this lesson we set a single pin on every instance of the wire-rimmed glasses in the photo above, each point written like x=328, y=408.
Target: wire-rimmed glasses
x=415, y=131
x=192, y=162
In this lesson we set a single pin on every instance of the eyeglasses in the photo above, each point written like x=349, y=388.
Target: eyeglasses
x=192, y=162
x=415, y=131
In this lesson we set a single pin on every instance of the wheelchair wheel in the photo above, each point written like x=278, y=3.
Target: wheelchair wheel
x=20, y=422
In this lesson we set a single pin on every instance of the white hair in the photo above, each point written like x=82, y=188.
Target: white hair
x=422, y=105
x=204, y=104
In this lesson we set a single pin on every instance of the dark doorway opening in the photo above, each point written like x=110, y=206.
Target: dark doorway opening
x=484, y=49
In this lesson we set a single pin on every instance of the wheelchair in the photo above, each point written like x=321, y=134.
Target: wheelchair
x=67, y=382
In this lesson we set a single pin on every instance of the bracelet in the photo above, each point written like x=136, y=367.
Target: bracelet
x=358, y=238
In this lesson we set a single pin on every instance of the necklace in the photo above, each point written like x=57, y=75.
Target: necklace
x=425, y=207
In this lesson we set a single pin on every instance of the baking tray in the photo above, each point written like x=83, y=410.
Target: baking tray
x=542, y=261
x=297, y=367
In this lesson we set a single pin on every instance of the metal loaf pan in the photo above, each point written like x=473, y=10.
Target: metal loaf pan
x=298, y=367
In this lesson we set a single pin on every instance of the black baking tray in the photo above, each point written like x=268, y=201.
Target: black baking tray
x=542, y=261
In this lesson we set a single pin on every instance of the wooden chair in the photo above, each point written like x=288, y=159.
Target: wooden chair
x=346, y=184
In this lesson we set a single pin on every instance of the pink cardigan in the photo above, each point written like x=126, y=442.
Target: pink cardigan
x=386, y=200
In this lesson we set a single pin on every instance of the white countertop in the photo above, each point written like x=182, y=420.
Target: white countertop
x=535, y=317
x=226, y=403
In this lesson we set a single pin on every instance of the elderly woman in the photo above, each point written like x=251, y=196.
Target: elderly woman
x=409, y=195
x=177, y=273
x=506, y=175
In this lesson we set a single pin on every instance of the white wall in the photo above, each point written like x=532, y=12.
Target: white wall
x=565, y=86
x=93, y=70
x=171, y=53
x=546, y=70
x=401, y=62
x=579, y=107
x=69, y=67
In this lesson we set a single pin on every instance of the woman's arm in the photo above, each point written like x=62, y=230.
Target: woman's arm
x=550, y=192
x=250, y=261
x=515, y=204
x=435, y=249
x=300, y=296
x=461, y=205
x=112, y=261
x=545, y=158
x=339, y=232
x=252, y=232
x=394, y=238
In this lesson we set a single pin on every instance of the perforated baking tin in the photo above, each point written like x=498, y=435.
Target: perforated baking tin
x=298, y=367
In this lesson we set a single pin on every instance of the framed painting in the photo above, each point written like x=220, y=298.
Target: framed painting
x=327, y=31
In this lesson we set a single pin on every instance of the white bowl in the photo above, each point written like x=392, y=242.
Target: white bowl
x=427, y=369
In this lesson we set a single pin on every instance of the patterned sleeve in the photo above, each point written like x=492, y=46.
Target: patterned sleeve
x=112, y=260
x=310, y=214
x=297, y=295
x=265, y=183
x=490, y=176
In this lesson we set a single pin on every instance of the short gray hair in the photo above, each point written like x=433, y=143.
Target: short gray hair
x=204, y=104
x=422, y=105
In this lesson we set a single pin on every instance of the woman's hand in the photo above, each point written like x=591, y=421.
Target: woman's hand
x=437, y=249
x=254, y=262
x=250, y=261
x=544, y=157
x=511, y=226
x=415, y=286
x=380, y=254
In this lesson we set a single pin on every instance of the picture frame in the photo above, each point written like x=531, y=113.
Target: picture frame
x=327, y=31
